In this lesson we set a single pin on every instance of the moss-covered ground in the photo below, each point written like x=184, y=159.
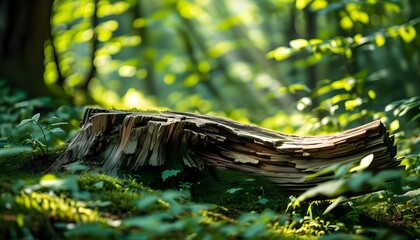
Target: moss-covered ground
x=84, y=204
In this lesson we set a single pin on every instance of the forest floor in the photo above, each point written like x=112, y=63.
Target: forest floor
x=82, y=203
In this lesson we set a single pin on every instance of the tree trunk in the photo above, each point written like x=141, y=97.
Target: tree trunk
x=24, y=28
x=130, y=140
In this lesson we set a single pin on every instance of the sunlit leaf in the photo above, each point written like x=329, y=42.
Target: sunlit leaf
x=319, y=4
x=380, y=40
x=140, y=23
x=315, y=41
x=169, y=78
x=346, y=22
x=36, y=117
x=127, y=71
x=301, y=4
x=335, y=203
x=303, y=103
x=52, y=182
x=348, y=53
x=299, y=43
x=407, y=33
x=110, y=25
x=372, y=94
x=280, y=53
x=131, y=41
x=394, y=126
x=364, y=163
x=352, y=104
x=191, y=80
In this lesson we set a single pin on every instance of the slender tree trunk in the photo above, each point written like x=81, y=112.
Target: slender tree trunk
x=24, y=28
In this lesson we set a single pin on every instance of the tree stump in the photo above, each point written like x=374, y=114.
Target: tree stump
x=130, y=140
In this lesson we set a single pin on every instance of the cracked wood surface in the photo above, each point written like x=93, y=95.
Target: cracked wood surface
x=131, y=140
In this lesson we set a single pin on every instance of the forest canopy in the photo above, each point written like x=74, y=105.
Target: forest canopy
x=248, y=60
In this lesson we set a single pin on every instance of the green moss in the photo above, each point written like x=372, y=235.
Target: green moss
x=28, y=164
x=234, y=205
x=115, y=196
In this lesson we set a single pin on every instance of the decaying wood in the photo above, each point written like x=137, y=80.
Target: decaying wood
x=117, y=139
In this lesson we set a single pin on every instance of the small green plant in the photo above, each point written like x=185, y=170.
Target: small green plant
x=45, y=130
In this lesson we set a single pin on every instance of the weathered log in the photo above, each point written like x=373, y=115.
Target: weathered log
x=118, y=139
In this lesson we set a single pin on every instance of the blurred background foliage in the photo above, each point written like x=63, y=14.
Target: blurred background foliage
x=298, y=66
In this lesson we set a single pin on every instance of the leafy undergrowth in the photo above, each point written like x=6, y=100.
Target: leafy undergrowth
x=166, y=204
x=97, y=206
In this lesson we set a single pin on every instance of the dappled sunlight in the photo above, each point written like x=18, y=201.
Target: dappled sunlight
x=135, y=99
x=333, y=87
x=95, y=44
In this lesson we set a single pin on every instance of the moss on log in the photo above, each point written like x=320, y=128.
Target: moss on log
x=130, y=140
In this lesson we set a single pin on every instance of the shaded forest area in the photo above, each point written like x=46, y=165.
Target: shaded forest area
x=303, y=67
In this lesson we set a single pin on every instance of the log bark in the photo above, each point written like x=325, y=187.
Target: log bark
x=117, y=139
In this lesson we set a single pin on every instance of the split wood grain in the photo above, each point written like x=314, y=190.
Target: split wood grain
x=119, y=139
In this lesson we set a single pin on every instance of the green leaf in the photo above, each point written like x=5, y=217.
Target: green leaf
x=35, y=102
x=301, y=4
x=280, y=53
x=234, y=190
x=263, y=201
x=255, y=230
x=56, y=130
x=328, y=189
x=335, y=203
x=407, y=33
x=99, y=185
x=380, y=40
x=148, y=222
x=343, y=169
x=364, y=163
x=299, y=43
x=76, y=166
x=146, y=201
x=380, y=180
x=371, y=199
x=52, y=182
x=324, y=171
x=357, y=180
x=24, y=121
x=89, y=230
x=36, y=117
x=56, y=124
x=169, y=173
